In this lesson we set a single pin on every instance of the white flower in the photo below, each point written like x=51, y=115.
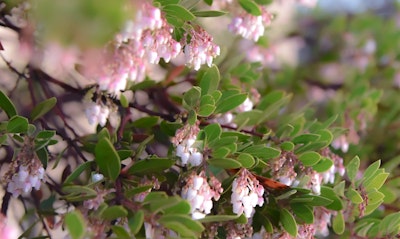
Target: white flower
x=25, y=179
x=246, y=194
x=199, y=193
x=97, y=114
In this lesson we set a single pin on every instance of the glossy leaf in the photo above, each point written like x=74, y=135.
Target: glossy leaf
x=210, y=79
x=352, y=168
x=229, y=100
x=184, y=219
x=338, y=223
x=288, y=222
x=225, y=163
x=323, y=165
x=250, y=7
x=107, y=159
x=303, y=212
x=75, y=224
x=78, y=171
x=17, y=124
x=136, y=222
x=151, y=165
x=218, y=218
x=114, y=212
x=42, y=108
x=310, y=158
x=209, y=13
x=246, y=160
x=179, y=12
x=7, y=105
x=262, y=152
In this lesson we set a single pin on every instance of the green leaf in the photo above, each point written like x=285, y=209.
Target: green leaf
x=262, y=152
x=43, y=156
x=209, y=13
x=78, y=193
x=205, y=110
x=151, y=165
x=120, y=232
x=184, y=219
x=213, y=132
x=325, y=136
x=376, y=182
x=75, y=224
x=330, y=194
x=287, y=146
x=221, y=152
x=323, y=165
x=310, y=158
x=146, y=122
x=182, y=207
x=42, y=108
x=250, y=7
x=226, y=163
x=192, y=117
x=303, y=212
x=338, y=223
x=7, y=105
x=288, y=222
x=179, y=228
x=157, y=206
x=107, y=159
x=45, y=134
x=17, y=124
x=192, y=98
x=305, y=138
x=354, y=196
x=75, y=174
x=352, y=168
x=218, y=218
x=124, y=101
x=136, y=222
x=177, y=11
x=371, y=170
x=210, y=79
x=390, y=224
x=248, y=118
x=246, y=160
x=229, y=100
x=114, y=212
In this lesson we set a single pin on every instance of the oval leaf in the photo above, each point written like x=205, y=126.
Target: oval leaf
x=107, y=159
x=75, y=224
x=17, y=124
x=7, y=105
x=42, y=108
x=288, y=222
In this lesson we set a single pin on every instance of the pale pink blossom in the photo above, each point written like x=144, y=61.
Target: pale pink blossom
x=97, y=113
x=249, y=26
x=25, y=180
x=7, y=231
x=184, y=141
x=247, y=193
x=201, y=49
x=200, y=193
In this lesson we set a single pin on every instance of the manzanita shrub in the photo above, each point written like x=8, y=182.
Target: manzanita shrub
x=197, y=131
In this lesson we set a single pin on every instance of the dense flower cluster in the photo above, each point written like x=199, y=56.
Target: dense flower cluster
x=184, y=141
x=200, y=193
x=249, y=26
x=25, y=179
x=201, y=49
x=97, y=113
x=247, y=193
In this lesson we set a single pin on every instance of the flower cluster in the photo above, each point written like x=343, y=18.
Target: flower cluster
x=247, y=193
x=97, y=113
x=200, y=193
x=201, y=49
x=95, y=202
x=249, y=26
x=184, y=141
x=25, y=179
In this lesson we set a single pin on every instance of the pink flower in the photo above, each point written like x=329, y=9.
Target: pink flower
x=249, y=26
x=25, y=179
x=247, y=193
x=201, y=49
x=199, y=193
